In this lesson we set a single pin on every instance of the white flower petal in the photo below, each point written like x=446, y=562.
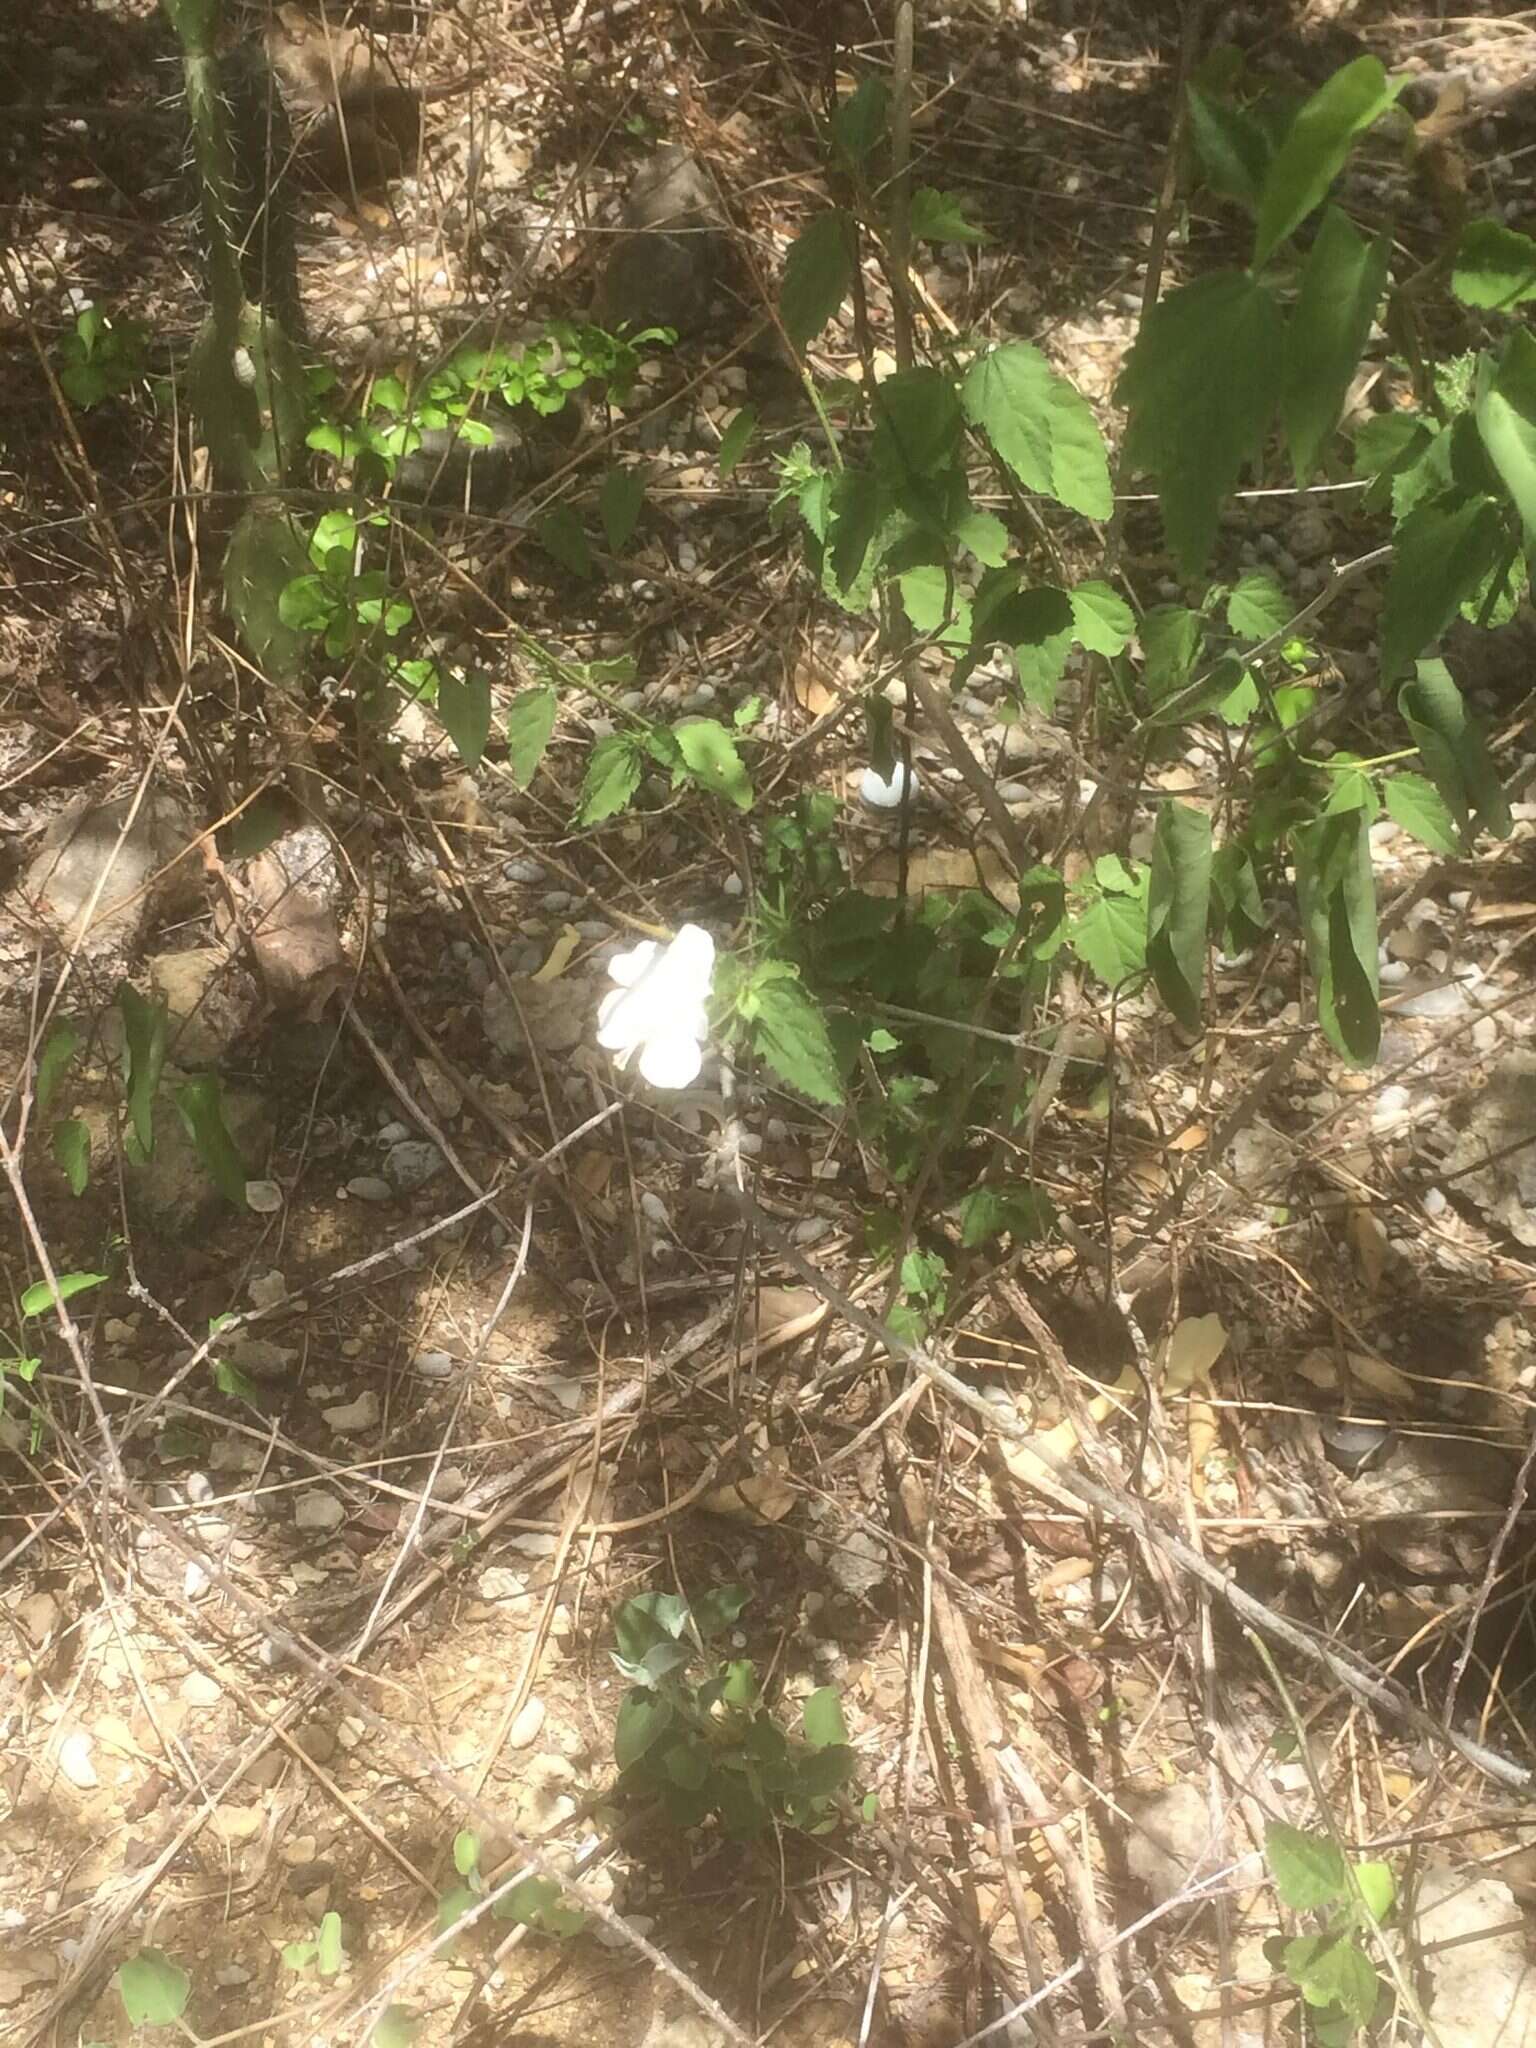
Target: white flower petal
x=660, y=1007
x=672, y=1061
x=627, y=968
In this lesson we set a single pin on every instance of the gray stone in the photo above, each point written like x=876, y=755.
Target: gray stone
x=662, y=268
x=412, y=1163
x=370, y=1187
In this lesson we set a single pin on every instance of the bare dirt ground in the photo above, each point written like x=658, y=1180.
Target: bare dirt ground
x=354, y=1591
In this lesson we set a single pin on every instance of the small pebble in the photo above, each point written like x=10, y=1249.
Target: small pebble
x=1434, y=1202
x=77, y=1763
x=268, y=1289
x=199, y=1690
x=264, y=1197
x=412, y=1163
x=318, y=1510
x=811, y=1231
x=394, y=1133
x=362, y=1413
x=370, y=1187
x=433, y=1365
x=528, y=871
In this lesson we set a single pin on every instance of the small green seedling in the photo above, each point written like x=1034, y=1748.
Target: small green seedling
x=532, y=1902
x=1332, y=1968
x=711, y=1747
x=154, y=1990
x=326, y=1952
x=99, y=358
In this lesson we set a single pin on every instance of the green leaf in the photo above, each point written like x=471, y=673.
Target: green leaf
x=614, y=769
x=1419, y=808
x=54, y=1058
x=530, y=722
x=396, y=2027
x=535, y=1902
x=860, y=120
x=623, y=494
x=154, y=1990
x=1341, y=288
x=1495, y=267
x=1232, y=147
x=72, y=1152
x=710, y=755
x=1506, y=421
x=464, y=706
x=855, y=509
x=298, y=1955
x=644, y=1717
x=1315, y=147
x=740, y=1688
x=1443, y=553
x=144, y=1031
x=1337, y=896
x=1201, y=385
x=202, y=1113
x=789, y=1030
x=1109, y=936
x=1102, y=621
x=466, y=1852
x=329, y=1953
x=817, y=274
x=1332, y=1969
x=1258, y=607
x=1308, y=1869
x=1178, y=906
x=40, y=1297
x=984, y=535
x=229, y=1379
x=986, y=1212
x=1170, y=645
x=559, y=532
x=1378, y=1888
x=717, y=1609
x=1453, y=750
x=917, y=425
x=935, y=603
x=1038, y=625
x=453, y=1905
x=1040, y=426
x=940, y=217
x=822, y=1716
x=733, y=442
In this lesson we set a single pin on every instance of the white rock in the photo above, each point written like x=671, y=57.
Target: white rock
x=498, y=1582
x=199, y=1690
x=535, y=1542
x=1169, y=1841
x=318, y=1510
x=77, y=1762
x=526, y=1724
x=1484, y=1991
x=267, y=1290
x=362, y=1413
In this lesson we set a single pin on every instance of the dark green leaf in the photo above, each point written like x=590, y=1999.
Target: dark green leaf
x=1495, y=267
x=1315, y=147
x=54, y=1058
x=790, y=1032
x=648, y=1619
x=1170, y=645
x=202, y=1113
x=1443, y=553
x=855, y=511
x=72, y=1152
x=1453, y=749
x=1233, y=149
x=917, y=424
x=40, y=1297
x=623, y=494
x=825, y=1771
x=464, y=706
x=1041, y=427
x=1419, y=808
x=940, y=217
x=860, y=120
x=687, y=1763
x=717, y=1609
x=1240, y=902
x=558, y=531
x=1102, y=621
x=1337, y=896
x=1332, y=1970
x=614, y=769
x=1385, y=439
x=1201, y=385
x=822, y=1715
x=1506, y=420
x=530, y=722
x=1341, y=288
x=733, y=442
x=1258, y=607
x=817, y=274
x=1038, y=625
x=712, y=760
x=1178, y=906
x=144, y=1032
x=154, y=1990
x=644, y=1717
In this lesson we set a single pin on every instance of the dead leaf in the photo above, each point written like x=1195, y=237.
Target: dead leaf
x=559, y=955
x=1071, y=1571
x=1319, y=1369
x=1204, y=1437
x=1192, y=1351
x=760, y=1497
x=1504, y=913
x=1378, y=1375
x=1190, y=1139
x=1076, y=1677
x=939, y=868
x=593, y=1171
x=1061, y=1535
x=813, y=689
x=1369, y=1239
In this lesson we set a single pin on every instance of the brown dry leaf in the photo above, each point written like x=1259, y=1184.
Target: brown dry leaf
x=1076, y=1676
x=940, y=868
x=1204, y=1437
x=1504, y=913
x=1319, y=1369
x=1070, y=1571
x=1059, y=1442
x=1378, y=1375
x=1061, y=1535
x=760, y=1497
x=593, y=1171
x=1192, y=1351
x=784, y=1314
x=1369, y=1241
x=560, y=954
x=1190, y=1139
x=812, y=687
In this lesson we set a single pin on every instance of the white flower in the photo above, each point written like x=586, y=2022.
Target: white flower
x=883, y=795
x=658, y=1008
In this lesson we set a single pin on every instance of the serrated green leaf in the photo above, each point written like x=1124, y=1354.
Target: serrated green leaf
x=984, y=535
x=1170, y=645
x=854, y=513
x=154, y=1990
x=1201, y=384
x=200, y=1106
x=72, y=1152
x=530, y=723
x=1315, y=148
x=822, y=1718
x=917, y=425
x=144, y=1028
x=1103, y=622
x=559, y=532
x=1506, y=422
x=1495, y=267
x=39, y=1297
x=643, y=1718
x=1336, y=891
x=710, y=755
x=52, y=1061
x=733, y=442
x=1232, y=147
x=1453, y=750
x=1419, y=808
x=1308, y=1869
x=1332, y=1970
x=1258, y=607
x=790, y=1032
x=817, y=274
x=935, y=603
x=622, y=495
x=1178, y=907
x=1443, y=553
x=1038, y=626
x=464, y=706
x=1040, y=426
x=1341, y=288
x=940, y=217
x=860, y=119
x=614, y=769
x=1109, y=936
